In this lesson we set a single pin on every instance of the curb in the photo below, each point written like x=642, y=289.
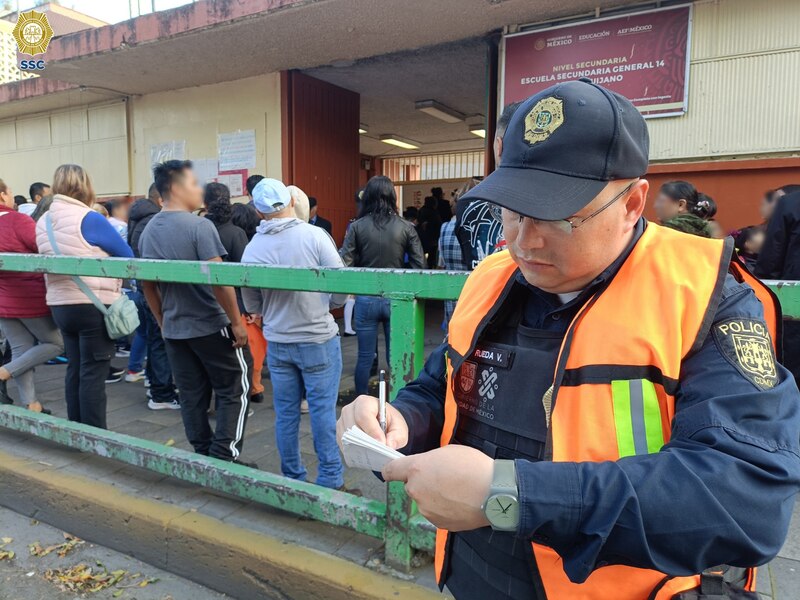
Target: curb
x=229, y=559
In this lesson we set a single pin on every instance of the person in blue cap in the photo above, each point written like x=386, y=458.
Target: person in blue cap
x=305, y=354
x=607, y=418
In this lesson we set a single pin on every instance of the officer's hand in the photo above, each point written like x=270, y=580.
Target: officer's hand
x=363, y=411
x=449, y=484
x=239, y=335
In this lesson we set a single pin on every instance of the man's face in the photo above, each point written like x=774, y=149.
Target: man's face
x=45, y=192
x=559, y=262
x=498, y=150
x=666, y=207
x=7, y=199
x=187, y=192
x=312, y=212
x=769, y=202
x=121, y=212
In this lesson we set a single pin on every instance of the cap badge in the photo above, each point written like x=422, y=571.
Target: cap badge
x=545, y=117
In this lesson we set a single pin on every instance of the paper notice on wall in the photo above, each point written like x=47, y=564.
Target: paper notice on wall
x=206, y=170
x=172, y=150
x=237, y=150
x=234, y=183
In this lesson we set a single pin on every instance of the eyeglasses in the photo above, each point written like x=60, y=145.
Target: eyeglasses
x=561, y=225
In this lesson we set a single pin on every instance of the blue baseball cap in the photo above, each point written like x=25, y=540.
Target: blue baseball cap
x=270, y=196
x=561, y=148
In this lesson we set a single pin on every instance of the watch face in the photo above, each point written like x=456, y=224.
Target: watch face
x=502, y=510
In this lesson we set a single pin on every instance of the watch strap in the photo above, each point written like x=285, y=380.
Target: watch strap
x=504, y=478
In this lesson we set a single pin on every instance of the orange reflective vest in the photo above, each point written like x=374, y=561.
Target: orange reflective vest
x=629, y=338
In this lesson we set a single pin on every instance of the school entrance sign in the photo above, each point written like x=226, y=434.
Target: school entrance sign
x=643, y=56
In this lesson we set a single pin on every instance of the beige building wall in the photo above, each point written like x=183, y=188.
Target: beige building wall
x=9, y=69
x=95, y=137
x=196, y=115
x=743, y=84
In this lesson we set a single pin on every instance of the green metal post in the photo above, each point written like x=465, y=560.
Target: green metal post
x=406, y=355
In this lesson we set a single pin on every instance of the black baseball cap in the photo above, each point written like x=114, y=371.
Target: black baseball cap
x=561, y=148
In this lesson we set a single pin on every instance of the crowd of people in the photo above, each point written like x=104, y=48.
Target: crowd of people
x=201, y=349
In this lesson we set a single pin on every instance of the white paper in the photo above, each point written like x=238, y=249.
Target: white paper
x=237, y=150
x=234, y=183
x=362, y=452
x=206, y=170
x=172, y=150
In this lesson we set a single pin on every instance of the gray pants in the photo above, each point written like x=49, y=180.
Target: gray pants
x=22, y=335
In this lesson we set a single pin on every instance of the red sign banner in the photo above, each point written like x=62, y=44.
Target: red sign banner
x=643, y=56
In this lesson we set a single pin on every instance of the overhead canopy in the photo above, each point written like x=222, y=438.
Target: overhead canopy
x=392, y=52
x=207, y=42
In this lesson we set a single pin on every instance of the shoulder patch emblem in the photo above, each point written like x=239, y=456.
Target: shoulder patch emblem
x=747, y=345
x=544, y=118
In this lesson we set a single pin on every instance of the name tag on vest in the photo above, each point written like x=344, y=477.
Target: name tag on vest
x=490, y=355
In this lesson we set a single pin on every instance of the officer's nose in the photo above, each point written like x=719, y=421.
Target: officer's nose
x=530, y=235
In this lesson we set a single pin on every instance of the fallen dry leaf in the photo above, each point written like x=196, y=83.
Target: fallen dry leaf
x=7, y=555
x=62, y=549
x=6, y=540
x=82, y=578
x=169, y=442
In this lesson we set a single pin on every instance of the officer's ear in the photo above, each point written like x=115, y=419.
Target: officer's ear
x=635, y=203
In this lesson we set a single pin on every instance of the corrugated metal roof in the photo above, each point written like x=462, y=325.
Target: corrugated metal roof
x=735, y=27
x=743, y=83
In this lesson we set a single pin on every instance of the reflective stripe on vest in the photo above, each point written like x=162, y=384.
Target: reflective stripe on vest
x=637, y=417
x=617, y=373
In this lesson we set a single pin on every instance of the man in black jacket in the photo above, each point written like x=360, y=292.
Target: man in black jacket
x=780, y=259
x=139, y=216
x=315, y=219
x=162, y=393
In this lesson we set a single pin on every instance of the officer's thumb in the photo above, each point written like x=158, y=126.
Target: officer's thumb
x=398, y=469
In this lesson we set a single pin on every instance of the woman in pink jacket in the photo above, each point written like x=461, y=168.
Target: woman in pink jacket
x=24, y=316
x=80, y=231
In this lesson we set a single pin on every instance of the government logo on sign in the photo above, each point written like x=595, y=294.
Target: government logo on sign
x=32, y=32
x=544, y=118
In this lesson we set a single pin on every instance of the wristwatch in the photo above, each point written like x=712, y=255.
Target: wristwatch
x=502, y=505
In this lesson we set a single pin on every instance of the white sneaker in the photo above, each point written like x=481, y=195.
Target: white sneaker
x=170, y=405
x=304, y=407
x=121, y=353
x=146, y=382
x=134, y=376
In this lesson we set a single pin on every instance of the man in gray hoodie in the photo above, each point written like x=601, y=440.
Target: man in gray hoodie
x=304, y=349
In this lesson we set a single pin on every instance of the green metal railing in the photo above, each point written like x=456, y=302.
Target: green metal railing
x=394, y=521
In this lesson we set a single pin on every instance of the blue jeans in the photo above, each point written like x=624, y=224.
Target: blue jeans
x=318, y=368
x=138, y=342
x=158, y=369
x=370, y=311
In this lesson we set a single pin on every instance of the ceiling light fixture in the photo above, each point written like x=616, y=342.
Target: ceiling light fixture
x=478, y=130
x=363, y=128
x=438, y=110
x=400, y=142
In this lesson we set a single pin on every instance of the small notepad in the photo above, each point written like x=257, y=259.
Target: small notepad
x=362, y=452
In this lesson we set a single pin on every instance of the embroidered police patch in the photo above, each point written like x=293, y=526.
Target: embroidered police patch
x=747, y=345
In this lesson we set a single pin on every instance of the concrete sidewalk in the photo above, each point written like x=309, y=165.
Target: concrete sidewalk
x=128, y=413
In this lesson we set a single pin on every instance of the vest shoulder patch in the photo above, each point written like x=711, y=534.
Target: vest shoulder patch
x=747, y=345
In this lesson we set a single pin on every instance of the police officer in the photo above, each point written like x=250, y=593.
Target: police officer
x=607, y=418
